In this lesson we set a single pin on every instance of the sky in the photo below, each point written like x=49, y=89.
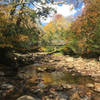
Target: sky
x=67, y=10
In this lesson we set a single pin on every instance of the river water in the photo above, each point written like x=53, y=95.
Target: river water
x=45, y=83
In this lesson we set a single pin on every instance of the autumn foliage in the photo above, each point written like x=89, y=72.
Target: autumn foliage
x=55, y=32
x=84, y=36
x=17, y=30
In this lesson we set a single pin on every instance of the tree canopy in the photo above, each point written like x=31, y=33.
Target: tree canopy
x=18, y=30
x=85, y=30
x=55, y=31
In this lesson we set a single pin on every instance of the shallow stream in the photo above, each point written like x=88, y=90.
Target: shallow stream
x=46, y=83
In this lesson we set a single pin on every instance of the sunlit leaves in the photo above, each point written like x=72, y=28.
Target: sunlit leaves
x=86, y=28
x=55, y=31
x=58, y=23
x=18, y=30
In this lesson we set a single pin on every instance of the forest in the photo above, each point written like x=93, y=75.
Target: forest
x=48, y=52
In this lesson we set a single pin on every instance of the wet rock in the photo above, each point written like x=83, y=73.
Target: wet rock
x=75, y=96
x=79, y=94
x=86, y=98
x=41, y=85
x=67, y=86
x=6, y=89
x=7, y=86
x=70, y=59
x=89, y=85
x=26, y=97
x=97, y=87
x=41, y=69
x=96, y=79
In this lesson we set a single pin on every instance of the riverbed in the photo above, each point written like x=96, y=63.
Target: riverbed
x=46, y=82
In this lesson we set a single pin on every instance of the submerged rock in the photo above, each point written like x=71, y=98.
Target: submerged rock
x=27, y=72
x=62, y=96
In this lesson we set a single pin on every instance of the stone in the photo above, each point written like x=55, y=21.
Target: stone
x=97, y=87
x=89, y=85
x=41, y=85
x=26, y=97
x=75, y=96
x=62, y=96
x=96, y=79
x=86, y=98
x=41, y=69
x=6, y=89
x=71, y=59
x=67, y=86
x=7, y=86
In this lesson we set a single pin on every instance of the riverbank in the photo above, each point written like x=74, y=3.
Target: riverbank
x=86, y=67
x=50, y=76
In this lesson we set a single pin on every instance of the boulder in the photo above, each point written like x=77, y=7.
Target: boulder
x=97, y=87
x=90, y=85
x=26, y=97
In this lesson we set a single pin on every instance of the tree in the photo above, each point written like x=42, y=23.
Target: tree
x=18, y=25
x=19, y=31
x=43, y=7
x=55, y=32
x=22, y=20
x=85, y=35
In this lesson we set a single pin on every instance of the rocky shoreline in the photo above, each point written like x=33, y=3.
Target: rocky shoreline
x=86, y=67
x=43, y=76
